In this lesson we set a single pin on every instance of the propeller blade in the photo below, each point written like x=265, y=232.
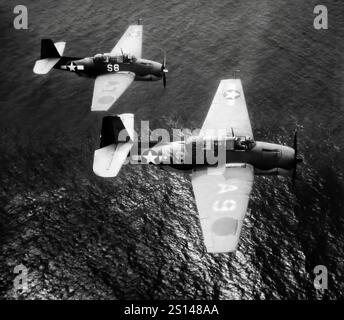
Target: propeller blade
x=296, y=158
x=164, y=70
x=164, y=64
x=295, y=143
x=164, y=79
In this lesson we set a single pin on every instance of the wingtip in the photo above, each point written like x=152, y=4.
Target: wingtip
x=104, y=173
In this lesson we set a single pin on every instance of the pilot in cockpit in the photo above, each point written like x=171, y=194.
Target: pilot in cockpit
x=249, y=142
x=240, y=144
x=127, y=58
x=244, y=143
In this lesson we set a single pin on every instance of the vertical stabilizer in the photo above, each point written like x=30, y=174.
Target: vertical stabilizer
x=116, y=141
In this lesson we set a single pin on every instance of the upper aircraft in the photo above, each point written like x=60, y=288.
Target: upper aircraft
x=114, y=71
x=222, y=187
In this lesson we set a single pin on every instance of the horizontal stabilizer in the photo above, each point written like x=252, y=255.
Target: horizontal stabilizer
x=60, y=47
x=43, y=66
x=108, y=161
x=116, y=141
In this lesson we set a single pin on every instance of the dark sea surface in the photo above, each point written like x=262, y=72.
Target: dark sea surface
x=138, y=236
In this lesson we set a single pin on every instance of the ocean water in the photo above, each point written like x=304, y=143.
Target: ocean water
x=138, y=236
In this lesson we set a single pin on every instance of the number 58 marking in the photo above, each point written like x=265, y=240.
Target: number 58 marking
x=114, y=67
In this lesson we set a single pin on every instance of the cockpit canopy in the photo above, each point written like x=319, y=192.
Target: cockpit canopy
x=241, y=143
x=111, y=58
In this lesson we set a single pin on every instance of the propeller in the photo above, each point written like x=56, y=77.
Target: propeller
x=296, y=158
x=164, y=70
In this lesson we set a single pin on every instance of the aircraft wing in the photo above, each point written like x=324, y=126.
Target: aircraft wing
x=108, y=88
x=131, y=42
x=228, y=110
x=222, y=196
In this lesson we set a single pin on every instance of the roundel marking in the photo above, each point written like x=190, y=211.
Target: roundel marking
x=225, y=226
x=71, y=66
x=105, y=99
x=231, y=94
x=134, y=33
x=150, y=156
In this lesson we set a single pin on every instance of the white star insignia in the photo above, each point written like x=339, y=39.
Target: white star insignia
x=150, y=157
x=71, y=66
x=232, y=94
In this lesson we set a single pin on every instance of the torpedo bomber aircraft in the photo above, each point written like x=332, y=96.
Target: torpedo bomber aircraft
x=221, y=189
x=113, y=72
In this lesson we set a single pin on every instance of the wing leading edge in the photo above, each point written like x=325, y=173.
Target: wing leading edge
x=222, y=198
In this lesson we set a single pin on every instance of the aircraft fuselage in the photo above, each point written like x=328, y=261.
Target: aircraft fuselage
x=144, y=70
x=266, y=158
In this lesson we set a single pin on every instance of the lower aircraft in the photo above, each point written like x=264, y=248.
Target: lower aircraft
x=113, y=71
x=221, y=189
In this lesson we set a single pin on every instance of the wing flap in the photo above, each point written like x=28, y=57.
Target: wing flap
x=60, y=47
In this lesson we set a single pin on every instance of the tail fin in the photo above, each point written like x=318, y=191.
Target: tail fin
x=117, y=139
x=48, y=49
x=50, y=54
